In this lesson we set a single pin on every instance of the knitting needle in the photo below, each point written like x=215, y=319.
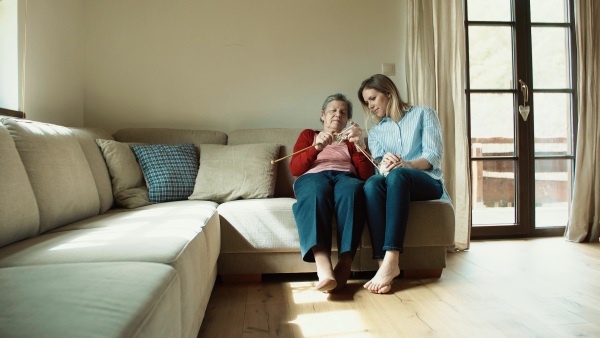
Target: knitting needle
x=292, y=154
x=371, y=159
x=340, y=136
x=305, y=149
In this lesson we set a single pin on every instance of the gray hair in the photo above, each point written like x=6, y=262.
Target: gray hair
x=338, y=97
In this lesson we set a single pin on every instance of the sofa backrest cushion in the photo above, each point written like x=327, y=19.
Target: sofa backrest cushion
x=286, y=137
x=230, y=172
x=170, y=136
x=58, y=170
x=128, y=184
x=19, y=216
x=87, y=139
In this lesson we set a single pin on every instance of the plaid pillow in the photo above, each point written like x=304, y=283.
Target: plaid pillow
x=170, y=170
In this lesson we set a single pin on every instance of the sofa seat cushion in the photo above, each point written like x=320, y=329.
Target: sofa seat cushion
x=183, y=234
x=433, y=225
x=151, y=234
x=90, y=300
x=260, y=225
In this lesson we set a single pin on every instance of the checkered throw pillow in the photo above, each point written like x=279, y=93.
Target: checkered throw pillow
x=170, y=170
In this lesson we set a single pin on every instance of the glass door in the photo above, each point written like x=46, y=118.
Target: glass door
x=520, y=102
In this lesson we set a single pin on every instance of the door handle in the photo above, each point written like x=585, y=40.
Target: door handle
x=524, y=109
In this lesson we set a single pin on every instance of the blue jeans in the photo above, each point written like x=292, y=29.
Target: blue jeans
x=319, y=197
x=388, y=200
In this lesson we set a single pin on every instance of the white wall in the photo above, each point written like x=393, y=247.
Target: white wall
x=229, y=64
x=54, y=61
x=203, y=64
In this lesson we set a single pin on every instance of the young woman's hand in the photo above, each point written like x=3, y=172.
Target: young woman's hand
x=391, y=161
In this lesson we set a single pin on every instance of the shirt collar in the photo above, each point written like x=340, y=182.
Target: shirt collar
x=384, y=120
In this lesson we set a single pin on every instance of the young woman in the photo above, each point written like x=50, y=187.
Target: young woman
x=407, y=141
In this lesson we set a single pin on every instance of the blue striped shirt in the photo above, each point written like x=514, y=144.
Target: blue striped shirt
x=417, y=134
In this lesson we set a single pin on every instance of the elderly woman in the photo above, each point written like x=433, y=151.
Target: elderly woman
x=330, y=177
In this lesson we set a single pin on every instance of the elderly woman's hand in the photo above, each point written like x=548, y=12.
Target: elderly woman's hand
x=323, y=140
x=355, y=135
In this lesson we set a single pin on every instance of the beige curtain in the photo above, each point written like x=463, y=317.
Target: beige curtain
x=435, y=63
x=584, y=220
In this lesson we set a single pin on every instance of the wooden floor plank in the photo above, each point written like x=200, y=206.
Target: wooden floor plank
x=226, y=310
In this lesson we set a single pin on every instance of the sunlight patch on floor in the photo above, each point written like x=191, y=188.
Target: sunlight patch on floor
x=332, y=324
x=304, y=292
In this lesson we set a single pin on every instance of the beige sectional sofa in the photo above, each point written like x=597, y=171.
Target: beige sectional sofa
x=74, y=264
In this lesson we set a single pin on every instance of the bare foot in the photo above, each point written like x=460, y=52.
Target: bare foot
x=382, y=281
x=326, y=285
x=342, y=272
x=324, y=270
x=388, y=270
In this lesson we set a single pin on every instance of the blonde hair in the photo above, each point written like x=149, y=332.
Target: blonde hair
x=383, y=84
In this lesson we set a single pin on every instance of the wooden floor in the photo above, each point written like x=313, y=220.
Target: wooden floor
x=544, y=287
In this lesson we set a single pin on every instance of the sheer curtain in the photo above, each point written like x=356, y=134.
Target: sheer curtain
x=435, y=63
x=584, y=221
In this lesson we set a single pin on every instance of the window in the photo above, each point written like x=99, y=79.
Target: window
x=9, y=55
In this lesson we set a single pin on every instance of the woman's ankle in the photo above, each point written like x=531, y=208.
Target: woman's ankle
x=392, y=257
x=323, y=262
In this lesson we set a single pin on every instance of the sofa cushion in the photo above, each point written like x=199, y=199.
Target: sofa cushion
x=58, y=170
x=90, y=300
x=287, y=138
x=128, y=184
x=154, y=233
x=183, y=234
x=87, y=139
x=170, y=136
x=232, y=172
x=170, y=170
x=19, y=217
x=259, y=225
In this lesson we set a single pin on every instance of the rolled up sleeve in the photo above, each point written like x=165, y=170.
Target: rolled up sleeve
x=433, y=146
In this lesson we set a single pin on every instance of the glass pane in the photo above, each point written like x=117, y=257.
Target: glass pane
x=9, y=55
x=488, y=10
x=492, y=125
x=493, y=192
x=550, y=48
x=548, y=11
x=552, y=124
x=552, y=192
x=490, y=57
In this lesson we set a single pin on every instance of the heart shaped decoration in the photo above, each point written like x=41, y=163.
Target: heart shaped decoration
x=524, y=111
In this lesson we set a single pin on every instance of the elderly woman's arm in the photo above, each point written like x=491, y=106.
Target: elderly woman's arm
x=302, y=162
